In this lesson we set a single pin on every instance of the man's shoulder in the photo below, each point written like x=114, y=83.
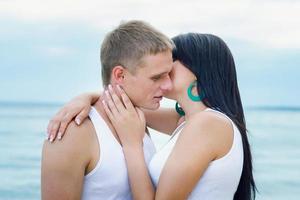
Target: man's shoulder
x=78, y=134
x=83, y=131
x=76, y=141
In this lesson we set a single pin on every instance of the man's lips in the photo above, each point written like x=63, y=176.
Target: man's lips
x=158, y=97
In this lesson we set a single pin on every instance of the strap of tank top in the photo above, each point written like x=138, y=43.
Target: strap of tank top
x=178, y=129
x=233, y=124
x=102, y=129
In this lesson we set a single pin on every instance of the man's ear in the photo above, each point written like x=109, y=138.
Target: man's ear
x=117, y=74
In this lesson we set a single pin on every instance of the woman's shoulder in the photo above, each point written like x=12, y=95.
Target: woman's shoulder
x=212, y=127
x=211, y=119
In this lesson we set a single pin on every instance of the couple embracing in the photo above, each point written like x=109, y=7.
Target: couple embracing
x=99, y=146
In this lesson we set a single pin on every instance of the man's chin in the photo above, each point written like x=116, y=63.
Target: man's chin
x=153, y=106
x=156, y=106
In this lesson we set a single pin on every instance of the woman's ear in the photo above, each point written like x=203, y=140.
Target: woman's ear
x=117, y=75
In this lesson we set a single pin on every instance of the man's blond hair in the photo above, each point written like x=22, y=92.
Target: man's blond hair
x=127, y=44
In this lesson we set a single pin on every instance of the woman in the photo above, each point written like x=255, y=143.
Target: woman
x=208, y=155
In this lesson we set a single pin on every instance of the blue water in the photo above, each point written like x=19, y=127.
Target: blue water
x=274, y=136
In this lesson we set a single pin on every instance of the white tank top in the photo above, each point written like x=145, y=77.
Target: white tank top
x=220, y=180
x=109, y=179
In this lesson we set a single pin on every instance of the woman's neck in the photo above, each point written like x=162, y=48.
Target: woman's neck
x=191, y=107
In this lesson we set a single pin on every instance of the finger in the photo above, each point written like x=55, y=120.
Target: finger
x=107, y=111
x=82, y=116
x=48, y=129
x=117, y=101
x=59, y=124
x=63, y=125
x=111, y=104
x=128, y=104
x=52, y=122
x=53, y=129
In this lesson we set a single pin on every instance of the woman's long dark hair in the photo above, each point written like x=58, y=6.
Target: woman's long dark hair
x=209, y=58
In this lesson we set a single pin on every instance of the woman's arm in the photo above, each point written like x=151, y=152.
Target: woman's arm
x=204, y=138
x=199, y=143
x=140, y=181
x=164, y=120
x=187, y=162
x=129, y=123
x=77, y=108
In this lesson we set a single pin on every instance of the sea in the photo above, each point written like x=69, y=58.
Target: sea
x=274, y=134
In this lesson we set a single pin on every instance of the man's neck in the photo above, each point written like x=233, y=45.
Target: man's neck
x=99, y=107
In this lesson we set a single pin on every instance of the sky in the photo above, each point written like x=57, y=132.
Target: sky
x=49, y=50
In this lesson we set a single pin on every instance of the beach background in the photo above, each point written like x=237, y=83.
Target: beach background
x=49, y=52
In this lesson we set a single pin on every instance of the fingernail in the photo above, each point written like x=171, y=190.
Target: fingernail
x=51, y=138
x=77, y=120
x=106, y=92
x=59, y=136
x=110, y=87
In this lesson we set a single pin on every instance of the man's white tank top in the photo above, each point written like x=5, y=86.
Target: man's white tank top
x=220, y=180
x=109, y=179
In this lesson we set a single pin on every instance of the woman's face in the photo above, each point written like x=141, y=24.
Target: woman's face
x=181, y=78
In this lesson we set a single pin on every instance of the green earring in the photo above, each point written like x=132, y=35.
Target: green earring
x=179, y=110
x=190, y=94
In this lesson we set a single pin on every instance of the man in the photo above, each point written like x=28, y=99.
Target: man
x=89, y=163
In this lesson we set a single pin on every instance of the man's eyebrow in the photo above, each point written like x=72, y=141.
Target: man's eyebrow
x=160, y=74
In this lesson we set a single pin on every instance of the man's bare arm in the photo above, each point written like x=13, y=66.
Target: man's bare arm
x=64, y=164
x=164, y=120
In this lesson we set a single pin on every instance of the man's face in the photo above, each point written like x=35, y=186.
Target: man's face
x=150, y=81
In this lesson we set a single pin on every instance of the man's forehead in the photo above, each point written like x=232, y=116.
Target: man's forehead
x=156, y=64
x=156, y=68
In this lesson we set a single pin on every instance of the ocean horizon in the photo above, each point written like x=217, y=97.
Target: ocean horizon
x=273, y=135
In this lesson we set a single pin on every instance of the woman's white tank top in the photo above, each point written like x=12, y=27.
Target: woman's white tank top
x=221, y=178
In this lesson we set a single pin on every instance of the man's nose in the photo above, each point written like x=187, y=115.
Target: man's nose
x=167, y=85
